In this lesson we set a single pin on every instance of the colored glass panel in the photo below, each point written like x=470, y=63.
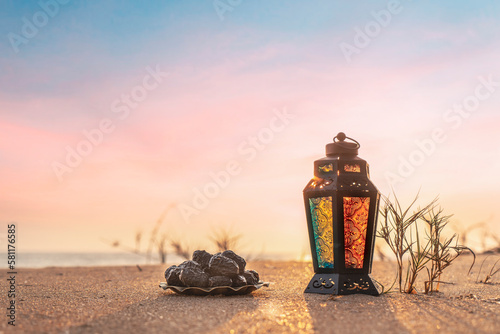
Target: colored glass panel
x=352, y=168
x=322, y=222
x=355, y=224
x=326, y=168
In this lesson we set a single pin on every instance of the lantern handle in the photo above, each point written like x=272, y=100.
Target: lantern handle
x=340, y=137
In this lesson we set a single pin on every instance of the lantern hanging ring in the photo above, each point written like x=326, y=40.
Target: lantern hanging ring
x=340, y=137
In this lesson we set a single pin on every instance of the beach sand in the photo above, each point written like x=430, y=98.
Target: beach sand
x=127, y=300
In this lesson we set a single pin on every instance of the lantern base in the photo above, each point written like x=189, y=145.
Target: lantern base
x=343, y=284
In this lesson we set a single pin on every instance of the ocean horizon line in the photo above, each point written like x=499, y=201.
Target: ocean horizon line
x=100, y=259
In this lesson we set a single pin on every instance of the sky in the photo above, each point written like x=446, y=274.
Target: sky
x=214, y=111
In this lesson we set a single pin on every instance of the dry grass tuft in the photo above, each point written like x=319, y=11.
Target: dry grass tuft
x=225, y=239
x=401, y=229
x=493, y=271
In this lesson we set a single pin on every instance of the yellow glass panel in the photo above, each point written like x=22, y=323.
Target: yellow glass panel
x=322, y=222
x=355, y=224
x=326, y=168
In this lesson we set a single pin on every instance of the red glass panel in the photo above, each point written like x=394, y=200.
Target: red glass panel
x=352, y=168
x=355, y=223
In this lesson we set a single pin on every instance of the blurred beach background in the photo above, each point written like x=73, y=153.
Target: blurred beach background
x=120, y=119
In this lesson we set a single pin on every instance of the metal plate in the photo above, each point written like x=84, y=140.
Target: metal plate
x=217, y=290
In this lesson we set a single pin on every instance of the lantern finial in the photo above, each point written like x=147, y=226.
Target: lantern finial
x=342, y=147
x=340, y=136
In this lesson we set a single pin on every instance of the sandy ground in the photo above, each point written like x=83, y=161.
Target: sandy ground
x=125, y=300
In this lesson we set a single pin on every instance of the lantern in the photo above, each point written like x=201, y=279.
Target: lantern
x=341, y=208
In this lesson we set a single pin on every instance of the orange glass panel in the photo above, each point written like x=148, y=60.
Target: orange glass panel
x=352, y=168
x=355, y=223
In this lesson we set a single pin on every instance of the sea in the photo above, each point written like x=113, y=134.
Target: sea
x=62, y=259
x=59, y=259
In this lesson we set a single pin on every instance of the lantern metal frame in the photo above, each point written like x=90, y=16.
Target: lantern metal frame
x=342, y=174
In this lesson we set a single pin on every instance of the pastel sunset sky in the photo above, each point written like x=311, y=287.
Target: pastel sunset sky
x=111, y=112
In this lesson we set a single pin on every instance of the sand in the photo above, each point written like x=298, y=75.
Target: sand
x=127, y=300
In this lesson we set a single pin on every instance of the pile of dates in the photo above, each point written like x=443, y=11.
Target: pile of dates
x=207, y=270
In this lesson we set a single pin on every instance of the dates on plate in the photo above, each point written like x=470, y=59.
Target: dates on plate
x=222, y=266
x=194, y=277
x=219, y=281
x=226, y=269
